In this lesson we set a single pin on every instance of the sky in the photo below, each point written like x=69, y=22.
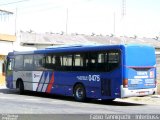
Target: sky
x=104, y=17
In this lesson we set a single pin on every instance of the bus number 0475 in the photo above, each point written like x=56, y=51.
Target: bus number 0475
x=95, y=78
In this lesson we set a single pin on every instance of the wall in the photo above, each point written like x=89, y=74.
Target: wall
x=2, y=77
x=6, y=45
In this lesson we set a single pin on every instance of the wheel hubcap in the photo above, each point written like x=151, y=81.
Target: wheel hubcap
x=79, y=93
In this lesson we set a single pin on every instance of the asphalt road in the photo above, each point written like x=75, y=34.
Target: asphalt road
x=32, y=103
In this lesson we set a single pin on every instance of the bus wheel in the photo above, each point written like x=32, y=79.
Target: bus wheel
x=79, y=93
x=20, y=87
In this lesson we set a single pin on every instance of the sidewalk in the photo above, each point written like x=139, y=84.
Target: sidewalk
x=3, y=87
x=152, y=99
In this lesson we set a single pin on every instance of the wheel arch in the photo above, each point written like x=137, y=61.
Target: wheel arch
x=77, y=83
x=17, y=82
x=84, y=98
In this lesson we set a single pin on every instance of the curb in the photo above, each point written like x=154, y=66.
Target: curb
x=155, y=96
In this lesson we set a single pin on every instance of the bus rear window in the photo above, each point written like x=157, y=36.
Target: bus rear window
x=140, y=56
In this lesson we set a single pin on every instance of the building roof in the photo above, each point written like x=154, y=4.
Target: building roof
x=52, y=39
x=61, y=39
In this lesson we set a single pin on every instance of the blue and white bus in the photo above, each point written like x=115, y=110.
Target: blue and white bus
x=98, y=72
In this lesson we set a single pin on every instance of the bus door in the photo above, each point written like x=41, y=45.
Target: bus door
x=9, y=71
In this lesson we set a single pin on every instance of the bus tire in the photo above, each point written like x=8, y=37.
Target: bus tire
x=79, y=93
x=20, y=87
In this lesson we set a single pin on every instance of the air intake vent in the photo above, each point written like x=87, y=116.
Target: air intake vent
x=106, y=87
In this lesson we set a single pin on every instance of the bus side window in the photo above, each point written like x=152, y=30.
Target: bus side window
x=67, y=60
x=50, y=61
x=101, y=64
x=57, y=61
x=53, y=62
x=28, y=62
x=78, y=62
x=18, y=65
x=39, y=62
x=113, y=60
x=92, y=61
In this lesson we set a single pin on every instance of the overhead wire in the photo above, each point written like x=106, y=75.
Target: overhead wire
x=27, y=8
x=13, y=2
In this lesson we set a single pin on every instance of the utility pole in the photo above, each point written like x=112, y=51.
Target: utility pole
x=67, y=21
x=114, y=23
x=123, y=19
x=123, y=8
x=16, y=23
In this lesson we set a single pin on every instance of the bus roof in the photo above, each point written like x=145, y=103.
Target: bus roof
x=75, y=48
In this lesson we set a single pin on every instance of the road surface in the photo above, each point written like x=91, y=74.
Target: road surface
x=31, y=103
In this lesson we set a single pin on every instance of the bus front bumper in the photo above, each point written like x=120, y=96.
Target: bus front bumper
x=125, y=92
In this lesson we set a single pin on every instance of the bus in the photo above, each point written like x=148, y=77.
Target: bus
x=103, y=72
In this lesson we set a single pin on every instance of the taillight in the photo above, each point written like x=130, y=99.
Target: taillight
x=125, y=83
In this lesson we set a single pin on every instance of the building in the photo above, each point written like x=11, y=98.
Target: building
x=6, y=45
x=7, y=38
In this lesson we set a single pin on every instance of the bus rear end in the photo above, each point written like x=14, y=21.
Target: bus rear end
x=139, y=75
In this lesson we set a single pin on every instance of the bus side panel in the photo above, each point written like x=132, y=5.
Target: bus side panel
x=30, y=79
x=97, y=85
x=110, y=84
x=42, y=81
x=65, y=81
